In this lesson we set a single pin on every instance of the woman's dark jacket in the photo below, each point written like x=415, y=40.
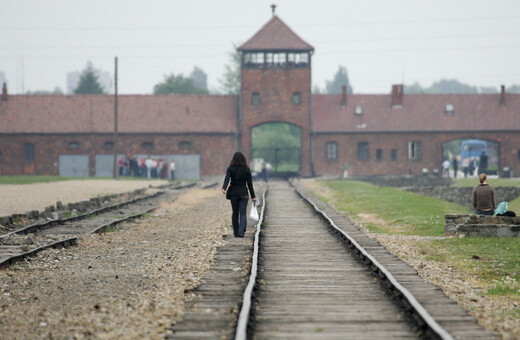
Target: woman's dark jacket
x=240, y=176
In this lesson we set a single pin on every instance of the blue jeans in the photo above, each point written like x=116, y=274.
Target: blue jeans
x=479, y=212
x=239, y=216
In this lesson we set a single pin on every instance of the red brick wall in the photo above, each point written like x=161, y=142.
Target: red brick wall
x=431, y=150
x=215, y=150
x=276, y=88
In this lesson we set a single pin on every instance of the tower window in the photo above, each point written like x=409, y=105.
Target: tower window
x=362, y=151
x=332, y=150
x=296, y=98
x=255, y=98
x=298, y=59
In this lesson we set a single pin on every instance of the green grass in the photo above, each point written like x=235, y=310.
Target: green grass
x=33, y=179
x=404, y=212
x=495, y=260
x=496, y=182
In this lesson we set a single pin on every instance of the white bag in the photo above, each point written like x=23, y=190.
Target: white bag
x=253, y=214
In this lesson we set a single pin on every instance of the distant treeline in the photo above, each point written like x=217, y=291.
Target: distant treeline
x=455, y=86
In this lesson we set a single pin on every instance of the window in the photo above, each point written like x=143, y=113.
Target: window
x=108, y=146
x=253, y=59
x=269, y=58
x=362, y=150
x=358, y=110
x=449, y=109
x=1, y=157
x=74, y=145
x=296, y=98
x=332, y=150
x=185, y=145
x=393, y=154
x=379, y=154
x=414, y=150
x=279, y=58
x=255, y=98
x=298, y=59
x=147, y=145
x=518, y=155
x=29, y=152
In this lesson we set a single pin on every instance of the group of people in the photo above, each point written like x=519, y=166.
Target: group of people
x=146, y=167
x=469, y=166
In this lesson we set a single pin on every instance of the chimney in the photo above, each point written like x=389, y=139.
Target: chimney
x=4, y=92
x=344, y=96
x=502, y=100
x=397, y=95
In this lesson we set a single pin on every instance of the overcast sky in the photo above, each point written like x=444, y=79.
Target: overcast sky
x=380, y=42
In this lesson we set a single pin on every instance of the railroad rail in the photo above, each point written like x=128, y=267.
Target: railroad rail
x=313, y=275
x=16, y=245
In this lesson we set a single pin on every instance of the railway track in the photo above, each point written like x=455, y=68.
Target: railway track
x=318, y=277
x=63, y=232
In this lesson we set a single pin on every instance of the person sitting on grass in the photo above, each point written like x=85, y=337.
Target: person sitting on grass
x=484, y=197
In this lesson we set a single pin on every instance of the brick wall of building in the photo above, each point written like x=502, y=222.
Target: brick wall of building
x=215, y=150
x=431, y=152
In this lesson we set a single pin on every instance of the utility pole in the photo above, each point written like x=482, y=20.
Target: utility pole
x=116, y=170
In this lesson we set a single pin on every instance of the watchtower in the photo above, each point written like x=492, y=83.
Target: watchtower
x=276, y=86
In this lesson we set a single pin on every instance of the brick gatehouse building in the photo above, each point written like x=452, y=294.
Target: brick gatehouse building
x=371, y=134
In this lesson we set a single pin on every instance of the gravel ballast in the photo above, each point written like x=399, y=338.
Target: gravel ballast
x=127, y=284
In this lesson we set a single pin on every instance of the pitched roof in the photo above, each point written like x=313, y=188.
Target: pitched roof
x=275, y=35
x=136, y=114
x=422, y=112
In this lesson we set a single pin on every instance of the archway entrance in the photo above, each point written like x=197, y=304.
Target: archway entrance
x=473, y=156
x=278, y=145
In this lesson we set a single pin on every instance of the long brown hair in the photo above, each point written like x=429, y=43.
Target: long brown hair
x=238, y=160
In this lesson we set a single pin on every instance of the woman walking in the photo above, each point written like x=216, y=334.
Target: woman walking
x=240, y=176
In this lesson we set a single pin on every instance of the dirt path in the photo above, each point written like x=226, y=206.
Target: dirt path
x=18, y=199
